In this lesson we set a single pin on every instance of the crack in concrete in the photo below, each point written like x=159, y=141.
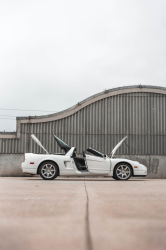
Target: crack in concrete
x=87, y=224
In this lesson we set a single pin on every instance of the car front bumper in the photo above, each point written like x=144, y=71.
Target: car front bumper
x=140, y=171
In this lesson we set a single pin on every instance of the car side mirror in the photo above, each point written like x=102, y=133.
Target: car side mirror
x=104, y=156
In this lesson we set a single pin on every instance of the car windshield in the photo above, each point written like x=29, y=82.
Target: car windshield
x=62, y=144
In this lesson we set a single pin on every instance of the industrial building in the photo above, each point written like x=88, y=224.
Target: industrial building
x=99, y=121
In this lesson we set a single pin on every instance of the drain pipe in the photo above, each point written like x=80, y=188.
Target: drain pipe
x=29, y=134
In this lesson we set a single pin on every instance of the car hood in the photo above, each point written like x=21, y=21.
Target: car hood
x=117, y=146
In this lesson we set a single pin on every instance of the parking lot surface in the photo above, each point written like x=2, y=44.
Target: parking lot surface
x=82, y=213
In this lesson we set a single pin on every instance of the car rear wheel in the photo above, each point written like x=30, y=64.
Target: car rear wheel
x=48, y=170
x=122, y=172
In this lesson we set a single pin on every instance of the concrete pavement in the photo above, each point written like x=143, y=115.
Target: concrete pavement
x=78, y=213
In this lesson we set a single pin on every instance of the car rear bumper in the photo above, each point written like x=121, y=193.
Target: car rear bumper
x=27, y=170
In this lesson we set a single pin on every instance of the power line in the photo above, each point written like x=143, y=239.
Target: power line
x=8, y=115
x=28, y=110
x=7, y=119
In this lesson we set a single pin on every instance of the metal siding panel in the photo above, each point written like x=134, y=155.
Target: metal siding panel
x=101, y=125
x=1, y=142
x=106, y=125
x=56, y=133
x=71, y=142
x=142, y=123
x=69, y=131
x=74, y=132
x=81, y=131
x=49, y=136
x=96, y=125
x=109, y=110
x=77, y=131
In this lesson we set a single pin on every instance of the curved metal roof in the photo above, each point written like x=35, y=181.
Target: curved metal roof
x=92, y=99
x=72, y=110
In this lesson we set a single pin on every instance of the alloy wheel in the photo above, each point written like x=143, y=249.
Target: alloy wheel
x=123, y=172
x=48, y=170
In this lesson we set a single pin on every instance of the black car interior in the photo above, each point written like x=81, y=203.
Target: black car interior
x=79, y=161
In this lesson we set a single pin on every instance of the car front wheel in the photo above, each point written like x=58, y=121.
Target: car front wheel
x=48, y=170
x=122, y=172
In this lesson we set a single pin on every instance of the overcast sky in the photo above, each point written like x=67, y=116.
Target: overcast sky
x=55, y=53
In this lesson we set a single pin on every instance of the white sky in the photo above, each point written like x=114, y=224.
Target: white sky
x=56, y=53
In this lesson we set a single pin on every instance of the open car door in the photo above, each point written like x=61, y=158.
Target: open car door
x=70, y=154
x=97, y=163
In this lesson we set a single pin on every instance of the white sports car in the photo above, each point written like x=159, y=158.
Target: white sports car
x=93, y=163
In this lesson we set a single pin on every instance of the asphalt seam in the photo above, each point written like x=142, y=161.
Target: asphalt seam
x=87, y=224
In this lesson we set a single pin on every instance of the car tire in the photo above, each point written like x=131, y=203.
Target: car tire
x=114, y=178
x=48, y=170
x=122, y=172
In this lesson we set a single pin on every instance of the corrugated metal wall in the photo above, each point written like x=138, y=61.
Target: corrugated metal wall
x=102, y=125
